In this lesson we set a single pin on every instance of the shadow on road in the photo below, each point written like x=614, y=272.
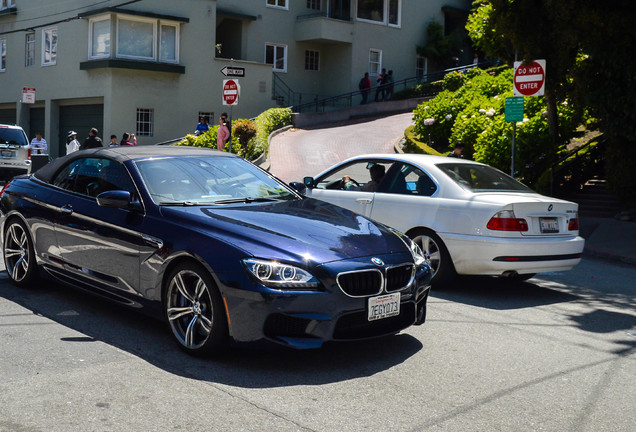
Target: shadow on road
x=499, y=294
x=150, y=340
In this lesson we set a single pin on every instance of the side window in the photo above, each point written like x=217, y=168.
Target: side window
x=405, y=179
x=92, y=176
x=361, y=175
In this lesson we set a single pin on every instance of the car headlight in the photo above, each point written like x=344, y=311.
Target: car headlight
x=419, y=257
x=280, y=276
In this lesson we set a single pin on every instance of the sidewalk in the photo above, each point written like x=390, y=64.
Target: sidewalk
x=610, y=239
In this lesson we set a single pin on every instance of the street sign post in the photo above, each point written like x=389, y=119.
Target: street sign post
x=529, y=78
x=230, y=92
x=231, y=71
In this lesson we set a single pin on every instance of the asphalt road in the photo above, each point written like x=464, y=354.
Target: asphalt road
x=557, y=353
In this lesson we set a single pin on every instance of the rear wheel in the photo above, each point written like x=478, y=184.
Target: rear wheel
x=194, y=310
x=441, y=264
x=19, y=255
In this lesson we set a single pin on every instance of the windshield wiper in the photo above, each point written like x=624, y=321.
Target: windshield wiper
x=246, y=200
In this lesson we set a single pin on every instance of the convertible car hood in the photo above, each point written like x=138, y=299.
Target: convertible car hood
x=305, y=229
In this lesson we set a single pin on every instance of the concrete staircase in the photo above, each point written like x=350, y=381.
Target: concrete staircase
x=595, y=201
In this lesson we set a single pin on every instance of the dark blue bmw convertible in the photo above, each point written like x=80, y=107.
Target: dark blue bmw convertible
x=217, y=247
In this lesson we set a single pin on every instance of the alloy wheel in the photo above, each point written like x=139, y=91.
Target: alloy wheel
x=17, y=252
x=430, y=247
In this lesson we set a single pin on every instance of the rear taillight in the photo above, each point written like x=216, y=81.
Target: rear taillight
x=29, y=153
x=506, y=221
x=573, y=224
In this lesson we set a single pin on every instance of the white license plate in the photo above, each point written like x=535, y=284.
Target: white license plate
x=7, y=154
x=384, y=306
x=549, y=225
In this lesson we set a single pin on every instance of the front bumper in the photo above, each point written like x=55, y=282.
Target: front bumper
x=308, y=319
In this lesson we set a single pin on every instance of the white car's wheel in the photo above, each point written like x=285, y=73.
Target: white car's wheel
x=440, y=260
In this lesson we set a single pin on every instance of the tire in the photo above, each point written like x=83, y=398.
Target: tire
x=194, y=311
x=19, y=254
x=440, y=261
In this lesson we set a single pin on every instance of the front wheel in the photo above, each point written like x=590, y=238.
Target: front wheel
x=441, y=264
x=194, y=311
x=19, y=255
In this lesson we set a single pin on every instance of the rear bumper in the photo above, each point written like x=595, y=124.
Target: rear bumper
x=481, y=255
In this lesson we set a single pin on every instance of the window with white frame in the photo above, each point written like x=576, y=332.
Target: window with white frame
x=276, y=55
x=312, y=60
x=3, y=54
x=29, y=49
x=145, y=118
x=168, y=43
x=313, y=4
x=380, y=11
x=420, y=67
x=49, y=46
x=136, y=38
x=282, y=4
x=6, y=4
x=100, y=37
x=375, y=62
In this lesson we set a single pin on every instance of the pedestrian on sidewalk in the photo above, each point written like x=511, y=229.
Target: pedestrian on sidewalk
x=72, y=144
x=379, y=85
x=38, y=144
x=223, y=134
x=365, y=87
x=92, y=141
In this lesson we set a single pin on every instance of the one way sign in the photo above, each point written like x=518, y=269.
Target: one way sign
x=233, y=71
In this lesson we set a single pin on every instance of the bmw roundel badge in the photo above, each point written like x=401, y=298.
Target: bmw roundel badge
x=377, y=261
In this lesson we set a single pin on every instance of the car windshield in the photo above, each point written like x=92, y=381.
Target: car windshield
x=481, y=178
x=198, y=180
x=12, y=136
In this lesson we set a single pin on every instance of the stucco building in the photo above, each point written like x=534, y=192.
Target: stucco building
x=153, y=66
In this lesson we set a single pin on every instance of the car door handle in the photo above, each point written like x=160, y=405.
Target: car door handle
x=66, y=209
x=364, y=200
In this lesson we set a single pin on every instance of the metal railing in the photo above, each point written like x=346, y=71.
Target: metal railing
x=594, y=156
x=346, y=100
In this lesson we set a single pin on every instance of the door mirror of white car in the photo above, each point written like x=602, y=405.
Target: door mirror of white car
x=309, y=182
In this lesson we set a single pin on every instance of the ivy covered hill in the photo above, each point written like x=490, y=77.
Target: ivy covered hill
x=470, y=108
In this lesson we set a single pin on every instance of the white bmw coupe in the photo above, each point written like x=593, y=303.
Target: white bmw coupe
x=470, y=218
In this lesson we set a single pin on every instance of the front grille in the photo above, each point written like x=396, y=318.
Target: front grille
x=398, y=277
x=361, y=283
x=285, y=325
x=357, y=325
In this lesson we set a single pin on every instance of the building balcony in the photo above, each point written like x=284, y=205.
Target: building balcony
x=322, y=29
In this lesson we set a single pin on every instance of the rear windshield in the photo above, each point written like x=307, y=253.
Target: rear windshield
x=481, y=178
x=12, y=136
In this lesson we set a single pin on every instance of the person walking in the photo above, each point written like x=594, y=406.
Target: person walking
x=92, y=141
x=365, y=87
x=113, y=141
x=457, y=151
x=379, y=85
x=223, y=134
x=38, y=144
x=72, y=144
x=202, y=126
x=388, y=87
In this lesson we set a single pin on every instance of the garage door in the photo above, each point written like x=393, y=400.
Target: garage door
x=81, y=119
x=36, y=123
x=7, y=116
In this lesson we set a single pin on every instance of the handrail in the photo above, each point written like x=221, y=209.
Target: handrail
x=574, y=153
x=346, y=99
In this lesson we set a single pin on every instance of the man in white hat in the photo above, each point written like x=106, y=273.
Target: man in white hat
x=72, y=144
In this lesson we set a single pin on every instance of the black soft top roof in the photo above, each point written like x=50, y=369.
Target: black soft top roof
x=123, y=154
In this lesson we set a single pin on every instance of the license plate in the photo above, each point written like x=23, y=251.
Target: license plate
x=7, y=154
x=549, y=225
x=384, y=306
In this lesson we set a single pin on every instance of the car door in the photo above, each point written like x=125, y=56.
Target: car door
x=350, y=186
x=406, y=198
x=100, y=246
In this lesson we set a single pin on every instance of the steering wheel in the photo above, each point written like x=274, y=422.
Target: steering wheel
x=344, y=186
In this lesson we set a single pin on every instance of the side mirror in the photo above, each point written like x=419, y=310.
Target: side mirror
x=309, y=182
x=115, y=199
x=298, y=187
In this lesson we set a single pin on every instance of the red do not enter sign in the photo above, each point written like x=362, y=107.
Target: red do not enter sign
x=230, y=92
x=529, y=78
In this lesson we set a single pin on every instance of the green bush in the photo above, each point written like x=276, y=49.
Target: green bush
x=267, y=122
x=413, y=145
x=471, y=109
